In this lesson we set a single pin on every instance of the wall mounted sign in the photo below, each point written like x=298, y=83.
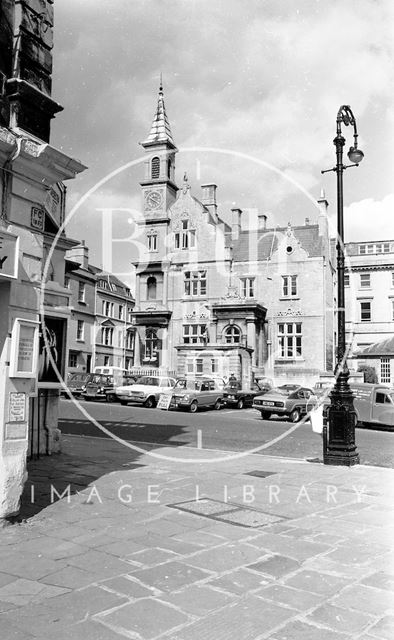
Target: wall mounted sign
x=9, y=255
x=37, y=218
x=15, y=431
x=17, y=407
x=24, y=349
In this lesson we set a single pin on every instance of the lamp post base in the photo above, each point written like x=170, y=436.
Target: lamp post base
x=341, y=447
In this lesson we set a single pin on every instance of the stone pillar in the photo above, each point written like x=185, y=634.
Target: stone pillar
x=164, y=348
x=251, y=337
x=137, y=291
x=214, y=330
x=137, y=351
x=165, y=287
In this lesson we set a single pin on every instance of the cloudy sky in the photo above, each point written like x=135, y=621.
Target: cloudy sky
x=257, y=83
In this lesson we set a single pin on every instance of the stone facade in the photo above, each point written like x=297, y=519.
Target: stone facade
x=33, y=300
x=216, y=298
x=100, y=331
x=369, y=298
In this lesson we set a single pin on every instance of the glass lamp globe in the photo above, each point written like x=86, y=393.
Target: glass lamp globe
x=355, y=155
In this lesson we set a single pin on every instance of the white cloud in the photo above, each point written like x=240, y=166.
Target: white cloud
x=368, y=220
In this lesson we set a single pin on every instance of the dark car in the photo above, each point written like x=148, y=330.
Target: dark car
x=102, y=387
x=240, y=398
x=290, y=403
x=76, y=383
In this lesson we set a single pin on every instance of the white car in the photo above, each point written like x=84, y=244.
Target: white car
x=146, y=391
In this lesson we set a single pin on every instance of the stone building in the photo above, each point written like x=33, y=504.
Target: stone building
x=216, y=298
x=114, y=333
x=81, y=282
x=369, y=298
x=33, y=300
x=100, y=332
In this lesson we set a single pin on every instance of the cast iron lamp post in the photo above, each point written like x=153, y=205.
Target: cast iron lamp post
x=341, y=446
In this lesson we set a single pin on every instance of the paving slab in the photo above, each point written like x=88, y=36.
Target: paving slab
x=247, y=619
x=144, y=619
x=384, y=628
x=276, y=566
x=170, y=576
x=22, y=591
x=300, y=630
x=294, y=598
x=340, y=619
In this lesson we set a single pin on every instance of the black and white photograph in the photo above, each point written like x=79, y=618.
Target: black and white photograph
x=196, y=320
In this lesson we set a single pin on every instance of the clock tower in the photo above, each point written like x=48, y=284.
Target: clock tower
x=158, y=187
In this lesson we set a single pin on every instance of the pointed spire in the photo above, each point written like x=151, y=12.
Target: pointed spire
x=160, y=130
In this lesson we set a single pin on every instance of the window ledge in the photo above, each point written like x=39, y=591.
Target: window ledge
x=289, y=298
x=80, y=340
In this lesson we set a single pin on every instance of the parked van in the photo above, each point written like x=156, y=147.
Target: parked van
x=373, y=403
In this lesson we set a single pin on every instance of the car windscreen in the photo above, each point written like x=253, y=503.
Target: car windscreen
x=79, y=377
x=153, y=382
x=191, y=385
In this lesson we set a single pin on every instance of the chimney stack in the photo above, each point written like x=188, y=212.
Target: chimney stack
x=322, y=219
x=307, y=222
x=262, y=218
x=235, y=223
x=79, y=254
x=209, y=197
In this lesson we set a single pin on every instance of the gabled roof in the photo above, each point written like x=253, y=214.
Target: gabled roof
x=383, y=348
x=268, y=240
x=110, y=278
x=160, y=130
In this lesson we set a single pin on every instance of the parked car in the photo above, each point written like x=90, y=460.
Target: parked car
x=145, y=391
x=373, y=403
x=240, y=398
x=323, y=387
x=102, y=387
x=285, y=402
x=76, y=383
x=193, y=393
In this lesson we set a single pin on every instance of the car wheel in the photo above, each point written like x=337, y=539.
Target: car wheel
x=150, y=402
x=265, y=415
x=218, y=404
x=295, y=415
x=193, y=406
x=110, y=397
x=240, y=403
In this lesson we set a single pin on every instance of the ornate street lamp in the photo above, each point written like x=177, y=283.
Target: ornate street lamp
x=341, y=446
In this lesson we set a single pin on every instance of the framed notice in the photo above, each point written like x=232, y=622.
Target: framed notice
x=17, y=407
x=9, y=255
x=24, y=349
x=164, y=401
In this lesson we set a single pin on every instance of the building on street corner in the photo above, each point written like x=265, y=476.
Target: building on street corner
x=33, y=299
x=369, y=289
x=216, y=297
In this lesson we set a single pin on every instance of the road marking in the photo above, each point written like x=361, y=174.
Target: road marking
x=199, y=439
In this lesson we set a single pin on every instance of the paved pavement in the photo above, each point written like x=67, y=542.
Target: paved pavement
x=273, y=548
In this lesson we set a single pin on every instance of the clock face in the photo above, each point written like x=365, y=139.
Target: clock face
x=153, y=199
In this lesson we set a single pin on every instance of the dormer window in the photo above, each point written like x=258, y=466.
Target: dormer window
x=155, y=168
